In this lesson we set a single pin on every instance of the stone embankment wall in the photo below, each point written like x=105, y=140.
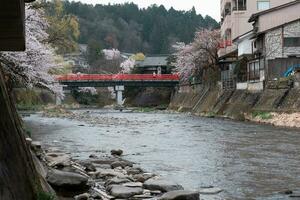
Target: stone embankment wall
x=234, y=104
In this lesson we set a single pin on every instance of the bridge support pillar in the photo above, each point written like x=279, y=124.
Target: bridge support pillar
x=57, y=100
x=119, y=93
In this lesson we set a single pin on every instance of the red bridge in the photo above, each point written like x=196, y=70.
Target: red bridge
x=129, y=80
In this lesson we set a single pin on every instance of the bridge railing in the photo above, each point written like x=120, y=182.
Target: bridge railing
x=117, y=77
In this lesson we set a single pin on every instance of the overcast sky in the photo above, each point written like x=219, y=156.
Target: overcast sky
x=203, y=7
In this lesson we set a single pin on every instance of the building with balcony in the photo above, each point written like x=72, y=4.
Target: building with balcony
x=236, y=32
x=276, y=36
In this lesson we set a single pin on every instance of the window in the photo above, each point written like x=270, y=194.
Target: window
x=263, y=5
x=291, y=42
x=240, y=5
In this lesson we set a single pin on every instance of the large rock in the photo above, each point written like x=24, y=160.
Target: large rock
x=133, y=184
x=109, y=173
x=36, y=145
x=88, y=165
x=133, y=171
x=121, y=163
x=116, y=181
x=119, y=191
x=84, y=196
x=116, y=152
x=142, y=177
x=66, y=180
x=58, y=159
x=180, y=195
x=162, y=185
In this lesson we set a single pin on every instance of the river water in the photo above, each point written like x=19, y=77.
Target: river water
x=248, y=161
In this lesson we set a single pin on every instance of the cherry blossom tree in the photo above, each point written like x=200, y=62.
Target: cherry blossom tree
x=185, y=57
x=91, y=90
x=205, y=45
x=111, y=54
x=198, y=56
x=127, y=65
x=30, y=68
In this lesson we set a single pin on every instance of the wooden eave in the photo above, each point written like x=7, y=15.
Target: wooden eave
x=12, y=26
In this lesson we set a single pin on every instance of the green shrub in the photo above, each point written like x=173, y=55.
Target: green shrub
x=210, y=115
x=45, y=196
x=262, y=115
x=28, y=132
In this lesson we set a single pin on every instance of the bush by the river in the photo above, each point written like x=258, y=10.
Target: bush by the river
x=32, y=99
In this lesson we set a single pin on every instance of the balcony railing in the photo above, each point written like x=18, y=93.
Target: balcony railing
x=240, y=8
x=225, y=43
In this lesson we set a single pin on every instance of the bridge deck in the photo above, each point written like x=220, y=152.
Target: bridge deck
x=131, y=80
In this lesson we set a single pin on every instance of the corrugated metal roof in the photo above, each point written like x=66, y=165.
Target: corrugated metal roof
x=153, y=61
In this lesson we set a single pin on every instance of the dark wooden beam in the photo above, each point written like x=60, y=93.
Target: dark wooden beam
x=12, y=25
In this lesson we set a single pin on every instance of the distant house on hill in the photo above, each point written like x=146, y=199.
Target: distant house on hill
x=154, y=64
x=78, y=59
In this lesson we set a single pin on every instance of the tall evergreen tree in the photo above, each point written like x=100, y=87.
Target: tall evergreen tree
x=129, y=28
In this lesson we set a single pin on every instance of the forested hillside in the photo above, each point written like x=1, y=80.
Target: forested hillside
x=128, y=28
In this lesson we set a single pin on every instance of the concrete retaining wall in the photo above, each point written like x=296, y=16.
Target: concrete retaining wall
x=234, y=104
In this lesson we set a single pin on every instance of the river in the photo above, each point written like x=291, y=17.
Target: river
x=248, y=161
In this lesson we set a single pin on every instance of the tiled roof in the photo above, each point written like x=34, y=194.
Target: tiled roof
x=153, y=61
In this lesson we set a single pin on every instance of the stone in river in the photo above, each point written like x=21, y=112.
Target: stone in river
x=155, y=192
x=210, y=190
x=116, y=152
x=162, y=185
x=58, y=159
x=133, y=171
x=180, y=195
x=139, y=177
x=133, y=184
x=93, y=156
x=119, y=191
x=142, y=177
x=107, y=173
x=68, y=180
x=84, y=196
x=88, y=165
x=296, y=195
x=116, y=181
x=143, y=196
x=36, y=145
x=122, y=164
x=28, y=141
x=286, y=192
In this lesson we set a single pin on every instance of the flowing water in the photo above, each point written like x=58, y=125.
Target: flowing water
x=248, y=161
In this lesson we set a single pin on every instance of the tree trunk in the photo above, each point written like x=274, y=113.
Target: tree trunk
x=18, y=177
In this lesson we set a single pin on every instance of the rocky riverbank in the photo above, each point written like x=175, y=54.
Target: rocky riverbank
x=291, y=120
x=104, y=177
x=97, y=120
